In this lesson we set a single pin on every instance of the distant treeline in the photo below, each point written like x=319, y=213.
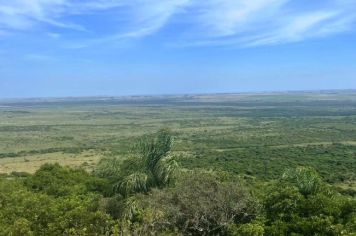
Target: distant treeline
x=69, y=150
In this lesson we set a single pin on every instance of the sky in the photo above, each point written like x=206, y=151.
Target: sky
x=57, y=48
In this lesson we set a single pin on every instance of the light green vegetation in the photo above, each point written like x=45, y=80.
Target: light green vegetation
x=254, y=134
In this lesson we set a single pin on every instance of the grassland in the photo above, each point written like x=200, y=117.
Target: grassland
x=256, y=135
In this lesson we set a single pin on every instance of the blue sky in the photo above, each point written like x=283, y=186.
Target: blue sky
x=128, y=47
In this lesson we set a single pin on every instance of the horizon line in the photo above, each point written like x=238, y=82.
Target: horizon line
x=353, y=90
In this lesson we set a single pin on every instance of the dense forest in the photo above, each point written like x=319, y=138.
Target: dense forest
x=150, y=193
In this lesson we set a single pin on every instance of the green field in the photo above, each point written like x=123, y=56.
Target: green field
x=259, y=135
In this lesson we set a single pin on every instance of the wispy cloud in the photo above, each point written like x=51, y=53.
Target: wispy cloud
x=266, y=22
x=298, y=28
x=202, y=23
x=220, y=18
x=146, y=18
x=24, y=14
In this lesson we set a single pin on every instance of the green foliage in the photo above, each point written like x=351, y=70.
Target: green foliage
x=151, y=166
x=282, y=202
x=305, y=179
x=249, y=229
x=108, y=168
x=62, y=201
x=251, y=137
x=258, y=135
x=200, y=204
x=56, y=180
x=133, y=183
x=334, y=162
x=301, y=204
x=23, y=212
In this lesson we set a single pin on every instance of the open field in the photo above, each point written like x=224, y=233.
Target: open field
x=257, y=135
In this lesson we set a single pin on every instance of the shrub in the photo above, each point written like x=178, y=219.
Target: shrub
x=201, y=204
x=57, y=180
x=304, y=205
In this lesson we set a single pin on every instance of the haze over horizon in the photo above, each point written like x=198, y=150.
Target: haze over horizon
x=61, y=48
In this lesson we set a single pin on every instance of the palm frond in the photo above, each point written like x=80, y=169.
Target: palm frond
x=136, y=182
x=108, y=167
x=305, y=179
x=164, y=172
x=154, y=149
x=151, y=168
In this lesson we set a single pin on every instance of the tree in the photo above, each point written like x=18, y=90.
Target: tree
x=301, y=204
x=150, y=166
x=199, y=204
x=25, y=212
x=57, y=181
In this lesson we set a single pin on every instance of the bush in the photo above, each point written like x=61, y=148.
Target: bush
x=24, y=212
x=306, y=206
x=201, y=204
x=250, y=229
x=57, y=180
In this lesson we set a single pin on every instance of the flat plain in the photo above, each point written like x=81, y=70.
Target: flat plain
x=254, y=135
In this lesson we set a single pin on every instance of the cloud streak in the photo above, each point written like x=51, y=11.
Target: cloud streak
x=269, y=22
x=201, y=23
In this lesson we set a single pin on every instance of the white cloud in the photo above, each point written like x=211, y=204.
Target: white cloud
x=265, y=22
x=25, y=14
x=151, y=15
x=147, y=17
x=228, y=17
x=297, y=28
x=208, y=22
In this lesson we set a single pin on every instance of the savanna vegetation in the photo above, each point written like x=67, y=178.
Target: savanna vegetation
x=263, y=164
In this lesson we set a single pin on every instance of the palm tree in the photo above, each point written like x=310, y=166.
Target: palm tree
x=306, y=179
x=151, y=166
